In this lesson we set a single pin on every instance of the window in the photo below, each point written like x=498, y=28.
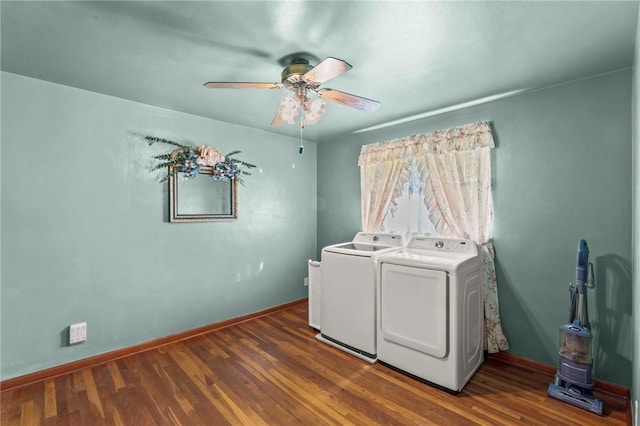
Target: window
x=411, y=217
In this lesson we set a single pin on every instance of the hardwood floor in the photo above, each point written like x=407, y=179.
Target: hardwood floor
x=272, y=371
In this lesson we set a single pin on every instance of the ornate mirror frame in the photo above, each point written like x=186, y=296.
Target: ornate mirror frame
x=227, y=189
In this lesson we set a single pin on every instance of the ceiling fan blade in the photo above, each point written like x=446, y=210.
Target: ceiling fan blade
x=326, y=70
x=238, y=85
x=277, y=120
x=349, y=100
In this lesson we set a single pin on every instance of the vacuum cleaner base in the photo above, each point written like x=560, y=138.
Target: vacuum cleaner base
x=575, y=396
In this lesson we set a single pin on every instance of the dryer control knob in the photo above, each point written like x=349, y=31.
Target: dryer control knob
x=439, y=244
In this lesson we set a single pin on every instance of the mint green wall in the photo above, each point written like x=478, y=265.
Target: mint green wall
x=85, y=235
x=562, y=172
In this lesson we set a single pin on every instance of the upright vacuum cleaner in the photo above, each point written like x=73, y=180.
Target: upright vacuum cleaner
x=573, y=382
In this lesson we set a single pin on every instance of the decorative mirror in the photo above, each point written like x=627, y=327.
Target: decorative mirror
x=203, y=199
x=212, y=197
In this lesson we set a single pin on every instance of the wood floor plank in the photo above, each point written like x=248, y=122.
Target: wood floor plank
x=271, y=370
x=116, y=377
x=50, y=404
x=27, y=415
x=92, y=393
x=62, y=411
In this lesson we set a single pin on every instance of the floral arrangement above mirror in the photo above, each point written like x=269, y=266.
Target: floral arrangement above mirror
x=190, y=161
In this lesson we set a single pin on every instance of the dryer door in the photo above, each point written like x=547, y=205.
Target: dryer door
x=414, y=308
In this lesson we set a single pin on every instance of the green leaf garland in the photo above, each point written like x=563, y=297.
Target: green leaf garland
x=189, y=160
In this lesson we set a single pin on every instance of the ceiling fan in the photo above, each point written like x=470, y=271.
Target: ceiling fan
x=301, y=77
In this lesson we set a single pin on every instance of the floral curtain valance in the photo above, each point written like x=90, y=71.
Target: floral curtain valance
x=463, y=138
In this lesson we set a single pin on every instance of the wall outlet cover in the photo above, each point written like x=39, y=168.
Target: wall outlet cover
x=77, y=333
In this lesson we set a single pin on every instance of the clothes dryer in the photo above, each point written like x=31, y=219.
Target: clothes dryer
x=348, y=292
x=430, y=310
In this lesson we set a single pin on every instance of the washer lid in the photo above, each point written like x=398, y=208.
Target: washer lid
x=359, y=249
x=367, y=243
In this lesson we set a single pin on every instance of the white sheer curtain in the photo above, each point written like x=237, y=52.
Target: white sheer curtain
x=455, y=166
x=381, y=173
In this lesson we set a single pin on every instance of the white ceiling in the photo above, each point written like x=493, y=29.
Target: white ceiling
x=413, y=57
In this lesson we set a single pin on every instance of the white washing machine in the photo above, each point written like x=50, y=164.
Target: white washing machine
x=348, y=292
x=430, y=310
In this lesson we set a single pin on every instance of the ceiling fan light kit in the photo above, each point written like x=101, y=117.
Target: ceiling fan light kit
x=313, y=110
x=301, y=77
x=288, y=109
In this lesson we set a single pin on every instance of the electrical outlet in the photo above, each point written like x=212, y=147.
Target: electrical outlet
x=77, y=333
x=306, y=281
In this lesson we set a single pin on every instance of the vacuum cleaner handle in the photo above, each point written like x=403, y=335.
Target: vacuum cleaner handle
x=582, y=262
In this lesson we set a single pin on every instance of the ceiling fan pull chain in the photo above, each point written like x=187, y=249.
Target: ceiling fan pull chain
x=301, y=149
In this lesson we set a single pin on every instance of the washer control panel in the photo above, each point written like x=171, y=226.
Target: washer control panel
x=443, y=244
x=394, y=240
